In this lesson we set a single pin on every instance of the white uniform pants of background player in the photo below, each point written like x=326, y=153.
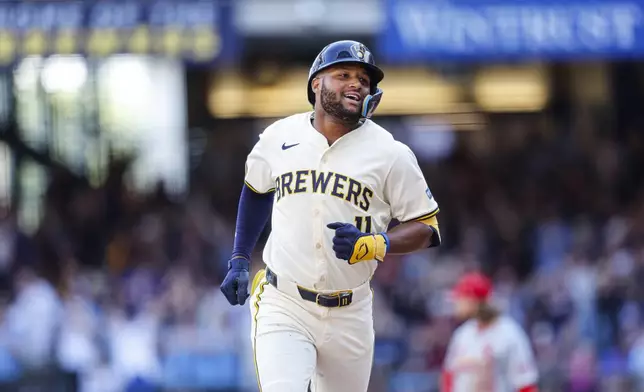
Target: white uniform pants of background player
x=297, y=341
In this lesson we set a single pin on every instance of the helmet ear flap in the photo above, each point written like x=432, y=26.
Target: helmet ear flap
x=370, y=103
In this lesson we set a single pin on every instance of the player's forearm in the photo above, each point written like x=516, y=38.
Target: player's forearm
x=252, y=214
x=409, y=237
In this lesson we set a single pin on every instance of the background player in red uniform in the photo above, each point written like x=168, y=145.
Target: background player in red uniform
x=489, y=352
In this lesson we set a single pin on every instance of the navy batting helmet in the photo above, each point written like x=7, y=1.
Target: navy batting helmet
x=349, y=52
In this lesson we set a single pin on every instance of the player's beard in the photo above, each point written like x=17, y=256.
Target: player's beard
x=332, y=105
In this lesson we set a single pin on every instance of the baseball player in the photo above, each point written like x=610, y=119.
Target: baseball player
x=489, y=352
x=334, y=180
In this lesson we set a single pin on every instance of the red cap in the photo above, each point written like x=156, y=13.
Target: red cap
x=474, y=286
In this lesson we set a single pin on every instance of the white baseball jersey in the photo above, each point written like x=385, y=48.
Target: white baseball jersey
x=365, y=178
x=497, y=358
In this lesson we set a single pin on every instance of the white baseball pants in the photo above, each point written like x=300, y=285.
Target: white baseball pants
x=296, y=342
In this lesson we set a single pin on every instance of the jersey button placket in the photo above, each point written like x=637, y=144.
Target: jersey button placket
x=319, y=248
x=317, y=222
x=319, y=226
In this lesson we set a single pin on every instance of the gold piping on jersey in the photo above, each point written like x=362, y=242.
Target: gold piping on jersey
x=261, y=291
x=423, y=217
x=433, y=222
x=259, y=276
x=256, y=191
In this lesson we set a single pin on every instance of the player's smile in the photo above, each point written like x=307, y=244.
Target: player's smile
x=353, y=98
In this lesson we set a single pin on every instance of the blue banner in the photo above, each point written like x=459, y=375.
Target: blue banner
x=482, y=30
x=197, y=31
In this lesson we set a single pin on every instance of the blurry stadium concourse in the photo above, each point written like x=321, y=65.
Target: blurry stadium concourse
x=124, y=127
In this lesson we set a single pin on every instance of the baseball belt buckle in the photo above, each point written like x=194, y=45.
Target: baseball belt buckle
x=344, y=297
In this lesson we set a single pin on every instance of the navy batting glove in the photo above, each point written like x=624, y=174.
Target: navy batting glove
x=354, y=246
x=345, y=238
x=235, y=284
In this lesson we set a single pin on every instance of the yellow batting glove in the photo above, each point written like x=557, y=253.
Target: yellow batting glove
x=354, y=246
x=369, y=247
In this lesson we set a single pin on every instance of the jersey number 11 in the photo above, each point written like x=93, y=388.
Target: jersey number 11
x=363, y=223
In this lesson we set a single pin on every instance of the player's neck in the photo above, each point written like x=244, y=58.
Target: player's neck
x=332, y=128
x=485, y=323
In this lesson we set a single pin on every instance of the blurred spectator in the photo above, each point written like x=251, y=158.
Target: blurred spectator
x=133, y=336
x=33, y=318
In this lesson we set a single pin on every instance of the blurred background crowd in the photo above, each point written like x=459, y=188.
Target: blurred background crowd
x=124, y=127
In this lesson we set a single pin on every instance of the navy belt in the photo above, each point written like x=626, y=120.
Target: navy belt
x=328, y=300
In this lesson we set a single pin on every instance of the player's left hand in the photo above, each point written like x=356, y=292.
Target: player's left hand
x=354, y=246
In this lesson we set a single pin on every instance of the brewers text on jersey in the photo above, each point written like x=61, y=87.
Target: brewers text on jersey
x=342, y=186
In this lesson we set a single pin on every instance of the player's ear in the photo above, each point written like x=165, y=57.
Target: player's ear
x=315, y=84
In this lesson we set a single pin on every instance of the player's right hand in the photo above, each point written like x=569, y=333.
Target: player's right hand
x=354, y=246
x=235, y=284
